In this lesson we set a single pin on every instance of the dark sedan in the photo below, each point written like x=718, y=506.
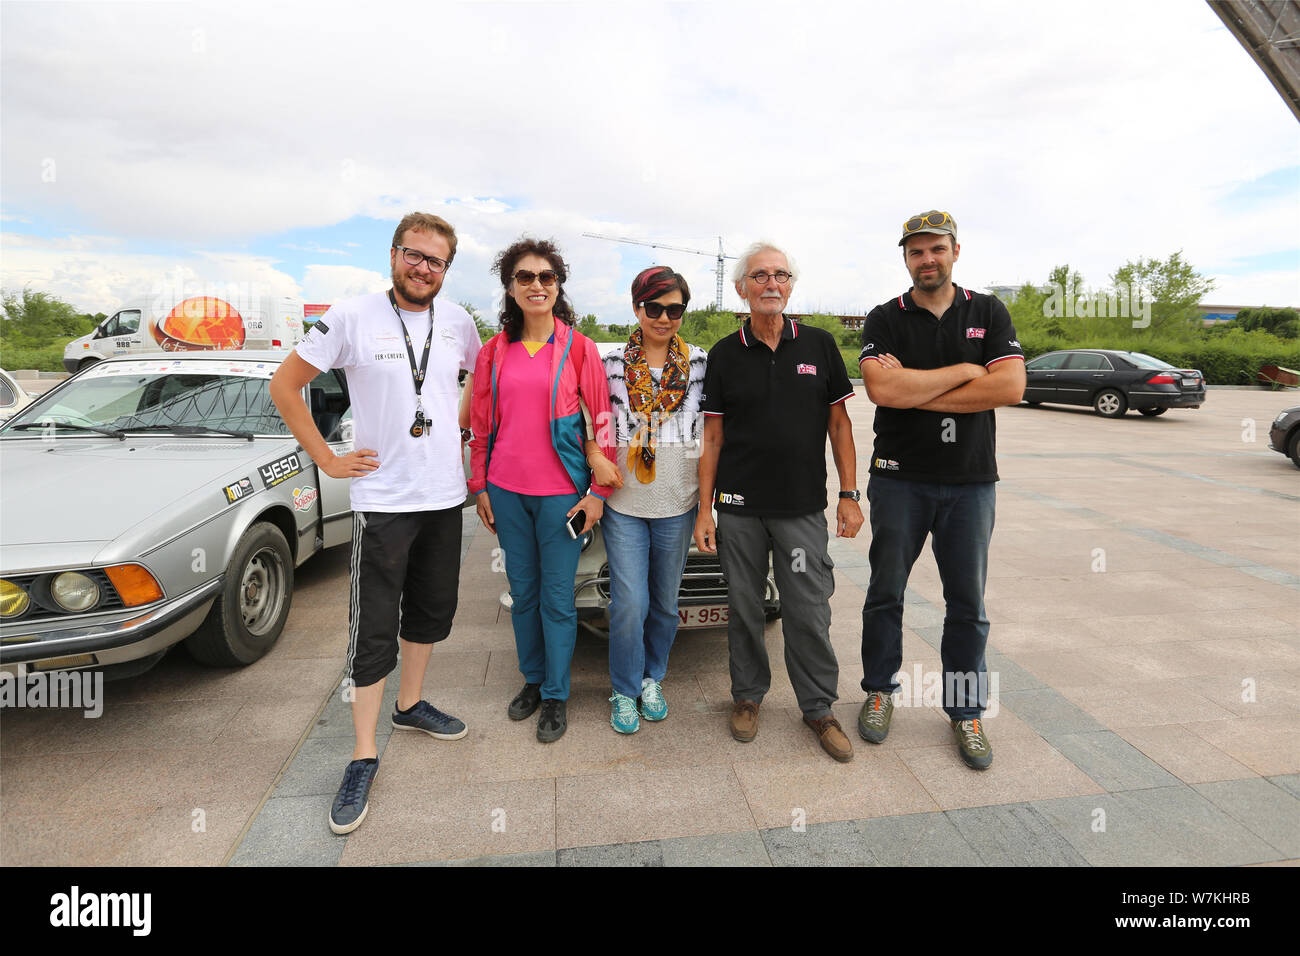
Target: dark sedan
x=1112, y=382
x=1284, y=435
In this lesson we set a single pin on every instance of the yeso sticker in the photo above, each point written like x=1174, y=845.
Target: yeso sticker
x=282, y=469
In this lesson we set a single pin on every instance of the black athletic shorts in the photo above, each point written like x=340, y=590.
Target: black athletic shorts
x=405, y=574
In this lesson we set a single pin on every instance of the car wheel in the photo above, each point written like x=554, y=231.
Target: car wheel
x=1110, y=403
x=1152, y=412
x=1293, y=447
x=248, y=616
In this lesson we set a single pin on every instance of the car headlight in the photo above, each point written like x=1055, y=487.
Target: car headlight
x=13, y=599
x=73, y=591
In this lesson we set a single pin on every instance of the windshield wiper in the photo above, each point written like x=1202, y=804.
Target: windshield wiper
x=110, y=432
x=190, y=430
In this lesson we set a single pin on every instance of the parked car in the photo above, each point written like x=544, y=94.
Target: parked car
x=701, y=598
x=1112, y=382
x=13, y=397
x=1284, y=435
x=150, y=501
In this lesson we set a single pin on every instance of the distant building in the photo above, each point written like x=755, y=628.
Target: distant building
x=1217, y=314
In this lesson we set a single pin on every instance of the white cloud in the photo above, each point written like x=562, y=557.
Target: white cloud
x=1082, y=134
x=325, y=283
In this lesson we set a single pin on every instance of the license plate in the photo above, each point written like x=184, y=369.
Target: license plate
x=1191, y=382
x=704, y=615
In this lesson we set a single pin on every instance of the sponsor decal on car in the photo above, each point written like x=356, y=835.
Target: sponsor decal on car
x=975, y=333
x=280, y=470
x=804, y=369
x=304, y=498
x=238, y=491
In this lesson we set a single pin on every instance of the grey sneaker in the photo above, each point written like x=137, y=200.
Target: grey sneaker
x=974, y=746
x=873, y=719
x=352, y=802
x=424, y=716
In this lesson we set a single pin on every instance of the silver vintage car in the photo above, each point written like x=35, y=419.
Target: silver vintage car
x=146, y=501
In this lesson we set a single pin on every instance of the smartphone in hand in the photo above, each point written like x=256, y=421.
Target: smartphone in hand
x=575, y=523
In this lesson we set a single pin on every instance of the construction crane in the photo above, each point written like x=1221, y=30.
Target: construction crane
x=721, y=256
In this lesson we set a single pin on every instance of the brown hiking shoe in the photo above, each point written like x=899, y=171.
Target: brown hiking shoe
x=744, y=720
x=832, y=737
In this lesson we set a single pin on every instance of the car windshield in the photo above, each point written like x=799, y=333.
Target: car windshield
x=129, y=396
x=1147, y=361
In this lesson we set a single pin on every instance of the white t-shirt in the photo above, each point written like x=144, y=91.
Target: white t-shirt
x=363, y=337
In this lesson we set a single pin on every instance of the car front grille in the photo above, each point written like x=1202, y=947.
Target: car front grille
x=702, y=582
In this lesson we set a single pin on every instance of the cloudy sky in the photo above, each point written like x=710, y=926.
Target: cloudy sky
x=276, y=144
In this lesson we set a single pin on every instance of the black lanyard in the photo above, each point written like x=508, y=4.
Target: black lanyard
x=417, y=374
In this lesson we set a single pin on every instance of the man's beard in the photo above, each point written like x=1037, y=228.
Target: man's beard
x=415, y=295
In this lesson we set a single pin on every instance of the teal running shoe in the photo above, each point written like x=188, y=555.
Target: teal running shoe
x=622, y=715
x=653, y=705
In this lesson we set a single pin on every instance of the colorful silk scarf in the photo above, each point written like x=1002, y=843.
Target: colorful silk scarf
x=651, y=403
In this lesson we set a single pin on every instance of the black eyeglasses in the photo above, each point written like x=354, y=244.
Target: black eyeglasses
x=548, y=277
x=781, y=277
x=413, y=257
x=655, y=309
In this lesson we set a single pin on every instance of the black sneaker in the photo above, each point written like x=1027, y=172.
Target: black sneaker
x=424, y=716
x=353, y=799
x=552, y=724
x=525, y=702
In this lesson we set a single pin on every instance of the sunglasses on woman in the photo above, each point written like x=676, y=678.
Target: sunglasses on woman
x=655, y=309
x=524, y=277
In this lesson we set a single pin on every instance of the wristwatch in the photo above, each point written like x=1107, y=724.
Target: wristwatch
x=853, y=495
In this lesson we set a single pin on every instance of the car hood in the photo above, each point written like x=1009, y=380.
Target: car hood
x=93, y=490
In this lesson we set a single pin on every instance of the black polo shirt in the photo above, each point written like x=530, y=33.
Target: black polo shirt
x=774, y=408
x=943, y=447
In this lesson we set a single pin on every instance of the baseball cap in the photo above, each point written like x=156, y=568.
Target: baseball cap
x=935, y=221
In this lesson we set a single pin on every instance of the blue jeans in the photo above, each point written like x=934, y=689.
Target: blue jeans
x=541, y=560
x=960, y=520
x=646, y=559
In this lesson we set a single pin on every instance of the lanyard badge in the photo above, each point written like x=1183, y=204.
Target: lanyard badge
x=421, y=425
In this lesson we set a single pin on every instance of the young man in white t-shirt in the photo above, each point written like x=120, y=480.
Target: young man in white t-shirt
x=402, y=356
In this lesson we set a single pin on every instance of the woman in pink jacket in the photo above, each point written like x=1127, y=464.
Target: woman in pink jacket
x=531, y=465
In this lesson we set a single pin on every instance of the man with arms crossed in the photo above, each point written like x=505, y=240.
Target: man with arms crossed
x=402, y=357
x=773, y=391
x=936, y=360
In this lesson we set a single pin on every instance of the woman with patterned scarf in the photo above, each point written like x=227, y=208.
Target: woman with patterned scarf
x=655, y=385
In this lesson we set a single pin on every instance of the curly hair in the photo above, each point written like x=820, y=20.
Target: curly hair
x=511, y=316
x=656, y=281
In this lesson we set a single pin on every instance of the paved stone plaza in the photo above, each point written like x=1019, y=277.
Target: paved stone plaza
x=1143, y=591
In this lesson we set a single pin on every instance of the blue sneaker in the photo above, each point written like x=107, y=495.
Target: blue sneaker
x=424, y=716
x=353, y=799
x=653, y=705
x=622, y=716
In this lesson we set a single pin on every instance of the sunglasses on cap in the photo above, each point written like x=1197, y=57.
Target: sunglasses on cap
x=934, y=220
x=548, y=277
x=655, y=309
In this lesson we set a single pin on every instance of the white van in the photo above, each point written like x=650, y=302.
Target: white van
x=197, y=323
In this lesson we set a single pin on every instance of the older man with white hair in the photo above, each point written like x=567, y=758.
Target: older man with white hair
x=773, y=391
